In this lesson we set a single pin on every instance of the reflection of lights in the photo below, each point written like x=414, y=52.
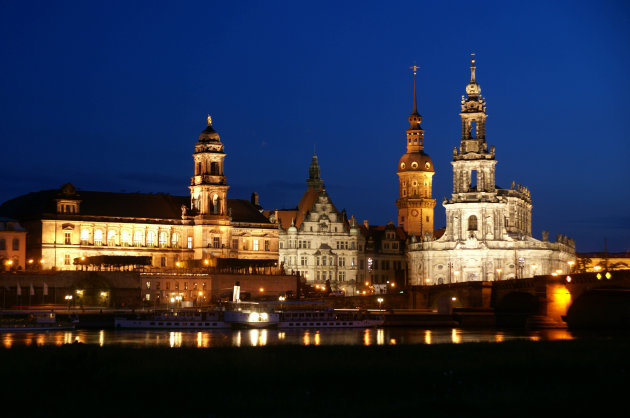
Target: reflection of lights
x=317, y=338
x=307, y=338
x=366, y=337
x=427, y=336
x=282, y=335
x=380, y=336
x=101, y=338
x=236, y=339
x=455, y=336
x=392, y=341
x=499, y=337
x=175, y=339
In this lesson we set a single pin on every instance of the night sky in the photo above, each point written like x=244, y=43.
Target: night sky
x=112, y=96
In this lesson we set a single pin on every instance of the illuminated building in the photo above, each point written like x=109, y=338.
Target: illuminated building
x=316, y=240
x=12, y=245
x=67, y=224
x=415, y=172
x=488, y=229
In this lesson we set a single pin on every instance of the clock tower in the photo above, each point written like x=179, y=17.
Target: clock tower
x=415, y=172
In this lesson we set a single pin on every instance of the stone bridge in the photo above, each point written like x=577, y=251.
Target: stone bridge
x=548, y=298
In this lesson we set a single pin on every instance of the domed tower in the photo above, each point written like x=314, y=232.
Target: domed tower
x=415, y=172
x=208, y=187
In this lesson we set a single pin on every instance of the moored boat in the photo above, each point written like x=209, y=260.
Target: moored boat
x=250, y=315
x=181, y=319
x=33, y=321
x=331, y=318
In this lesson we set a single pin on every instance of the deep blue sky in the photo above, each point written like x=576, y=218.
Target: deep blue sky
x=113, y=95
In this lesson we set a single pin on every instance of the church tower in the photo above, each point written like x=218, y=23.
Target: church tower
x=208, y=187
x=415, y=172
x=473, y=165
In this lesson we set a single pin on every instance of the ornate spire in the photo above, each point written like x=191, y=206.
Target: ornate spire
x=415, y=134
x=415, y=101
x=314, y=177
x=209, y=120
x=473, y=90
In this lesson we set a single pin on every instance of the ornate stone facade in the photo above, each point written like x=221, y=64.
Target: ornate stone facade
x=488, y=229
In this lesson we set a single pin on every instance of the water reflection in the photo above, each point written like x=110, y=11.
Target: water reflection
x=265, y=337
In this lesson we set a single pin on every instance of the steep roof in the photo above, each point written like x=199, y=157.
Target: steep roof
x=285, y=216
x=119, y=205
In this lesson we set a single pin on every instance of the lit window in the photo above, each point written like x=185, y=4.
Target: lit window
x=67, y=238
x=163, y=239
x=151, y=239
x=85, y=236
x=125, y=238
x=175, y=240
x=190, y=242
x=66, y=259
x=235, y=244
x=216, y=242
x=255, y=244
x=98, y=237
x=137, y=238
x=111, y=237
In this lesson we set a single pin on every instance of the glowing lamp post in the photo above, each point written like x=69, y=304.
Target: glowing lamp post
x=68, y=300
x=380, y=302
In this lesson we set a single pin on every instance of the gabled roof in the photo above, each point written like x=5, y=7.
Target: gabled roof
x=286, y=216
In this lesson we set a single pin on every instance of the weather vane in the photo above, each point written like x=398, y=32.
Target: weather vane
x=414, y=68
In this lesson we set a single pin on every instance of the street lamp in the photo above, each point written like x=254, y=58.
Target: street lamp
x=69, y=300
x=380, y=301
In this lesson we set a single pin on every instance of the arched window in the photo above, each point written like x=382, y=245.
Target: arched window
x=150, y=239
x=137, y=238
x=125, y=238
x=163, y=239
x=215, y=204
x=175, y=240
x=98, y=237
x=472, y=223
x=85, y=236
x=214, y=168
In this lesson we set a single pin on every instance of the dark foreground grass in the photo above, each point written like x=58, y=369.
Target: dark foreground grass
x=561, y=378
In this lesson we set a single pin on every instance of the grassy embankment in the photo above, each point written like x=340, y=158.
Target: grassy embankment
x=496, y=379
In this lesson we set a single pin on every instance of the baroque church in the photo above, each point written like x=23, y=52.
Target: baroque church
x=68, y=225
x=488, y=229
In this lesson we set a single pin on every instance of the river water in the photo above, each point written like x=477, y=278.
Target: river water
x=264, y=337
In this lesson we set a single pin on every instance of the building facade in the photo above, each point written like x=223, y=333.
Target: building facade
x=67, y=225
x=316, y=240
x=488, y=229
x=12, y=245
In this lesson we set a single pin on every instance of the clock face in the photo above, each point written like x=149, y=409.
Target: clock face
x=414, y=212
